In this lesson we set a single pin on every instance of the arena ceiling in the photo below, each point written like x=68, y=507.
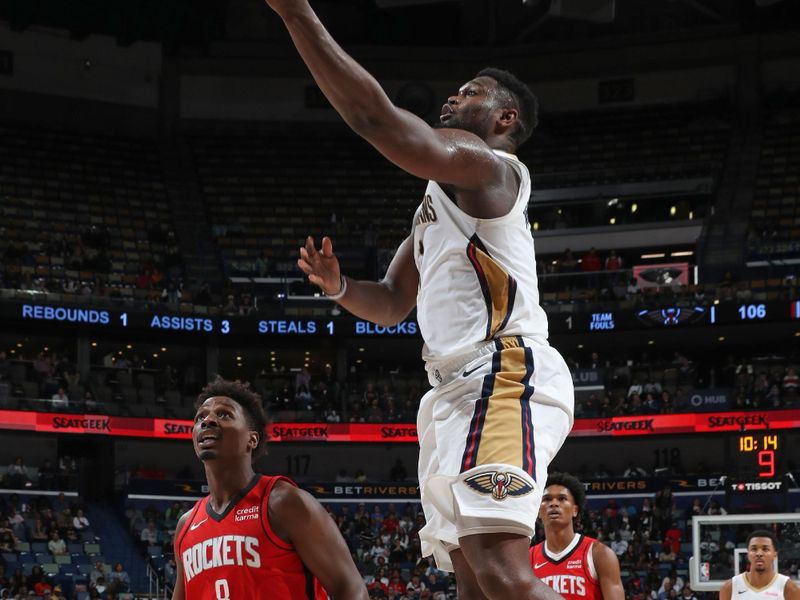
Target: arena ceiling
x=193, y=25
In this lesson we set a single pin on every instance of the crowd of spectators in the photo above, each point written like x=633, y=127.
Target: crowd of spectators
x=80, y=265
x=46, y=476
x=663, y=385
x=59, y=524
x=646, y=383
x=641, y=385
x=47, y=380
x=649, y=537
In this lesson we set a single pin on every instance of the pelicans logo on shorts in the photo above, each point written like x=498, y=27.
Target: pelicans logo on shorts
x=499, y=485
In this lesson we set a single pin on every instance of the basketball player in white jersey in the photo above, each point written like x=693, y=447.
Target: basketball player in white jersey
x=502, y=399
x=761, y=582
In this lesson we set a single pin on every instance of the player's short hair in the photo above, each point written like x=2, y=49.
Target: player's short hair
x=239, y=392
x=574, y=486
x=519, y=96
x=765, y=534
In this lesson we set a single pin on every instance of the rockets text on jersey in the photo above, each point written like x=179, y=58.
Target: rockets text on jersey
x=236, y=554
x=571, y=573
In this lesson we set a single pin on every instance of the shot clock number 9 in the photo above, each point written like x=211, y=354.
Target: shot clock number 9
x=764, y=447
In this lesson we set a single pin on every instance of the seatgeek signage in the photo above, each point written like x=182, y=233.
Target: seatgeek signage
x=393, y=432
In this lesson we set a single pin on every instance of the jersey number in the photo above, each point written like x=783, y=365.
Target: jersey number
x=221, y=587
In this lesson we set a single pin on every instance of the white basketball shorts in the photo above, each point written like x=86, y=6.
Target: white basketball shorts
x=488, y=430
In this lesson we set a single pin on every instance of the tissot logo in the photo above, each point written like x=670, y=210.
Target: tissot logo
x=395, y=432
x=638, y=425
x=177, y=428
x=757, y=486
x=740, y=420
x=99, y=424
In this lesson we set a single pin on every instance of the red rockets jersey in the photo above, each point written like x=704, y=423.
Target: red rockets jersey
x=236, y=555
x=571, y=574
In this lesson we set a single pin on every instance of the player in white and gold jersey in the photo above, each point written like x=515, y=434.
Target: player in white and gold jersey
x=761, y=582
x=502, y=399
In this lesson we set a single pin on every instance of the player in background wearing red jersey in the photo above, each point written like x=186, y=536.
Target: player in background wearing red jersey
x=575, y=566
x=254, y=536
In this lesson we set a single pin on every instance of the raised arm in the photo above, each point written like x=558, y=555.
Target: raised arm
x=450, y=156
x=386, y=302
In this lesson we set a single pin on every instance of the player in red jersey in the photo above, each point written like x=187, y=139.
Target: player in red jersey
x=254, y=536
x=575, y=566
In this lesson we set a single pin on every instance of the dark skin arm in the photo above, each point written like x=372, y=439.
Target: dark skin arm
x=386, y=302
x=179, y=593
x=726, y=590
x=482, y=184
x=791, y=591
x=298, y=519
x=607, y=567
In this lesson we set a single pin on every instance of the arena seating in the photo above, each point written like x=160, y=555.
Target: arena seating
x=389, y=531
x=71, y=571
x=622, y=145
x=775, y=217
x=377, y=396
x=263, y=201
x=82, y=214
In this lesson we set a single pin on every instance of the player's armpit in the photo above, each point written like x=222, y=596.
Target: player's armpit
x=607, y=566
x=178, y=593
x=302, y=521
x=402, y=279
x=726, y=590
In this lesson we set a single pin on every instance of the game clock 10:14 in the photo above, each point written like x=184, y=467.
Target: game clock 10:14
x=758, y=454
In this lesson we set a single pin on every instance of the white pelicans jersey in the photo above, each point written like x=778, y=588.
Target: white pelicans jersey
x=477, y=277
x=742, y=589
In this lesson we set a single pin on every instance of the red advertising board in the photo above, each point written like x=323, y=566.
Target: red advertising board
x=395, y=432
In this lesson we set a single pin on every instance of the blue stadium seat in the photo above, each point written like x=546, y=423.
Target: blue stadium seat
x=79, y=558
x=39, y=547
x=75, y=548
x=27, y=567
x=87, y=536
x=154, y=551
x=91, y=548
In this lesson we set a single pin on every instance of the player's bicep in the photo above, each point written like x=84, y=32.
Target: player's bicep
x=451, y=156
x=791, y=591
x=318, y=542
x=607, y=566
x=726, y=590
x=179, y=593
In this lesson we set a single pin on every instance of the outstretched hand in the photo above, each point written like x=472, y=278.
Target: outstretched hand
x=321, y=267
